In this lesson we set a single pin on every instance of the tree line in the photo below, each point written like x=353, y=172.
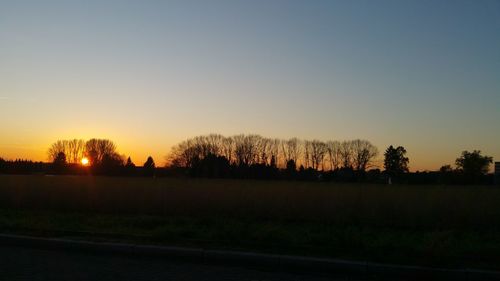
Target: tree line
x=254, y=156
x=247, y=150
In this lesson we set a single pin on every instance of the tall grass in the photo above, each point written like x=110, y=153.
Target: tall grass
x=402, y=206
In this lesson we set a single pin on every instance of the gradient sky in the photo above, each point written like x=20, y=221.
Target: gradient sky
x=148, y=74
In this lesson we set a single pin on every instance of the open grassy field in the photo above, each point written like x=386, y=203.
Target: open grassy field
x=432, y=225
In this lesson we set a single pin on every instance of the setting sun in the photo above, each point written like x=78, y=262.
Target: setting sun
x=85, y=161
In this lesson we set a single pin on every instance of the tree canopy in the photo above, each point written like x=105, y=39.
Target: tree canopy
x=395, y=160
x=473, y=165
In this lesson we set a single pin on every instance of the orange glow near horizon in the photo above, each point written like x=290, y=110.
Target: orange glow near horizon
x=85, y=161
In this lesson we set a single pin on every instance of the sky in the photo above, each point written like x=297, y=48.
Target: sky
x=148, y=74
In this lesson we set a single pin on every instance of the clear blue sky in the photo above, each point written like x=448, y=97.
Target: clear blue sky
x=147, y=74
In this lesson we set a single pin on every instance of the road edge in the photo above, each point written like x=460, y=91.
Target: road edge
x=280, y=262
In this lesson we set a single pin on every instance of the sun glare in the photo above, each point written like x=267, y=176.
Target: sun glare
x=85, y=161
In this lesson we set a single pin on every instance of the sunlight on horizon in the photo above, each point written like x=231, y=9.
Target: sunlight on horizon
x=85, y=161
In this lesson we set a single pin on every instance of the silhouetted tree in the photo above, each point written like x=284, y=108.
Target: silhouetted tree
x=129, y=167
x=246, y=149
x=473, y=165
x=395, y=161
x=249, y=155
x=308, y=174
x=446, y=169
x=333, y=151
x=212, y=166
x=60, y=159
x=291, y=169
x=446, y=174
x=73, y=149
x=55, y=149
x=21, y=166
x=291, y=166
x=317, y=150
x=307, y=154
x=101, y=153
x=345, y=151
x=227, y=148
x=3, y=165
x=374, y=176
x=291, y=150
x=97, y=149
x=110, y=164
x=129, y=163
x=263, y=150
x=59, y=163
x=346, y=174
x=273, y=163
x=363, y=153
x=149, y=166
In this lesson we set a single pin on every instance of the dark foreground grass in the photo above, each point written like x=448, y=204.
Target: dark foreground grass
x=449, y=248
x=436, y=226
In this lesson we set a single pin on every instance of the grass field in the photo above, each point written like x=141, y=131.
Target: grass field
x=431, y=225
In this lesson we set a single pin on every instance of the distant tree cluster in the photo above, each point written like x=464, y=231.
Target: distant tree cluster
x=102, y=157
x=257, y=156
x=22, y=166
x=471, y=167
x=73, y=151
x=248, y=150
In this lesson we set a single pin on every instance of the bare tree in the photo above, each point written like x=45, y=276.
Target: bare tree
x=333, y=150
x=246, y=151
x=56, y=148
x=363, y=153
x=274, y=151
x=307, y=153
x=75, y=150
x=240, y=149
x=228, y=149
x=183, y=154
x=215, y=142
x=98, y=149
x=264, y=147
x=318, y=151
x=345, y=152
x=291, y=150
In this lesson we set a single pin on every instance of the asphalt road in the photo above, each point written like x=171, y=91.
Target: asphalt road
x=18, y=263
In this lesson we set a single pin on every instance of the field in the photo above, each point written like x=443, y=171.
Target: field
x=429, y=225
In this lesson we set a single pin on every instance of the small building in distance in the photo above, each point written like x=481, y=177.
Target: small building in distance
x=497, y=173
